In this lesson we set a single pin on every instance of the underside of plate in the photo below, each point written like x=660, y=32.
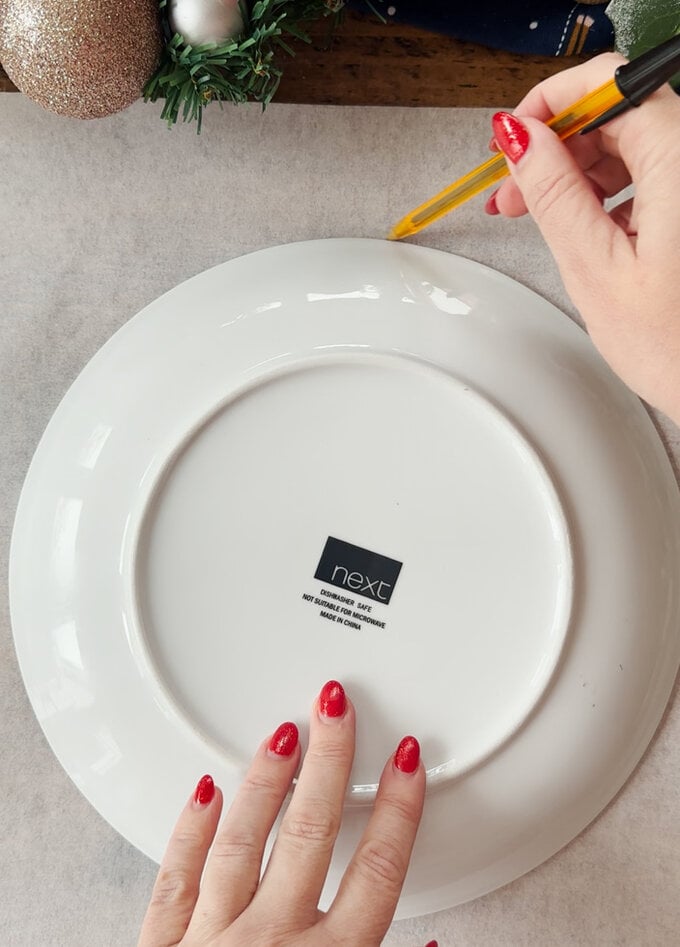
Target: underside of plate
x=364, y=461
x=357, y=455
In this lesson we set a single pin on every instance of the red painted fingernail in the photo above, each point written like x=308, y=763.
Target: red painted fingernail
x=489, y=208
x=493, y=146
x=205, y=791
x=432, y=943
x=407, y=755
x=332, y=701
x=511, y=135
x=285, y=739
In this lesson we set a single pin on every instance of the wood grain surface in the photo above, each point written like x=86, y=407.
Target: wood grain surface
x=366, y=62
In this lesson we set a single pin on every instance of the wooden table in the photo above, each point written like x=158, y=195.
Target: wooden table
x=370, y=63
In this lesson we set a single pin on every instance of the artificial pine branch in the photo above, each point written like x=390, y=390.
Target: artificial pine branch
x=240, y=69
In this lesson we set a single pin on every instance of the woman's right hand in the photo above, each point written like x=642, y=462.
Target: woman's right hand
x=621, y=269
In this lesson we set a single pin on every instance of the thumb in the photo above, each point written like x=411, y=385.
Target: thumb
x=579, y=232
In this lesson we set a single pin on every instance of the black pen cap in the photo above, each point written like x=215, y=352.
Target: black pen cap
x=644, y=75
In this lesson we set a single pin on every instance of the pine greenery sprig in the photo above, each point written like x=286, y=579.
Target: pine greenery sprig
x=239, y=69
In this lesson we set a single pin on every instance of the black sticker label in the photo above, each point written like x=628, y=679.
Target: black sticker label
x=358, y=570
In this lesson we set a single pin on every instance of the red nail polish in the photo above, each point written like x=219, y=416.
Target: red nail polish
x=511, y=135
x=284, y=740
x=407, y=756
x=332, y=700
x=205, y=791
x=432, y=943
x=491, y=209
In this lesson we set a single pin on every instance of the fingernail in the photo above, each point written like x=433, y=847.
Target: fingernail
x=511, y=135
x=284, y=740
x=332, y=700
x=489, y=208
x=432, y=943
x=205, y=791
x=493, y=146
x=407, y=755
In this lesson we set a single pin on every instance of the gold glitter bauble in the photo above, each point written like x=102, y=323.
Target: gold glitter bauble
x=84, y=58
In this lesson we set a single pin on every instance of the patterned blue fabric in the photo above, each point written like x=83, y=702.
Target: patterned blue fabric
x=541, y=27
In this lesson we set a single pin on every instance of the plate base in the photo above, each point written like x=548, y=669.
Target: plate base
x=402, y=461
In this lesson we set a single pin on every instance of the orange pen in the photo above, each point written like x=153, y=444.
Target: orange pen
x=630, y=85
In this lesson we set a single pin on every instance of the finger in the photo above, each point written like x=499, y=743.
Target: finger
x=367, y=898
x=176, y=889
x=233, y=870
x=642, y=137
x=546, y=100
x=296, y=872
x=623, y=216
x=560, y=91
x=583, y=238
x=586, y=149
x=647, y=140
x=607, y=176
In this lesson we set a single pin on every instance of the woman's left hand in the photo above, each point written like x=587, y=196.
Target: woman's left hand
x=232, y=905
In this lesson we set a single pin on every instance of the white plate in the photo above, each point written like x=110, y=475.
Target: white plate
x=415, y=405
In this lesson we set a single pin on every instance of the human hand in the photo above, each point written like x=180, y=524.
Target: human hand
x=620, y=268
x=234, y=906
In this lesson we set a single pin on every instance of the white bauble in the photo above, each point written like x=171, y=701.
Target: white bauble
x=205, y=21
